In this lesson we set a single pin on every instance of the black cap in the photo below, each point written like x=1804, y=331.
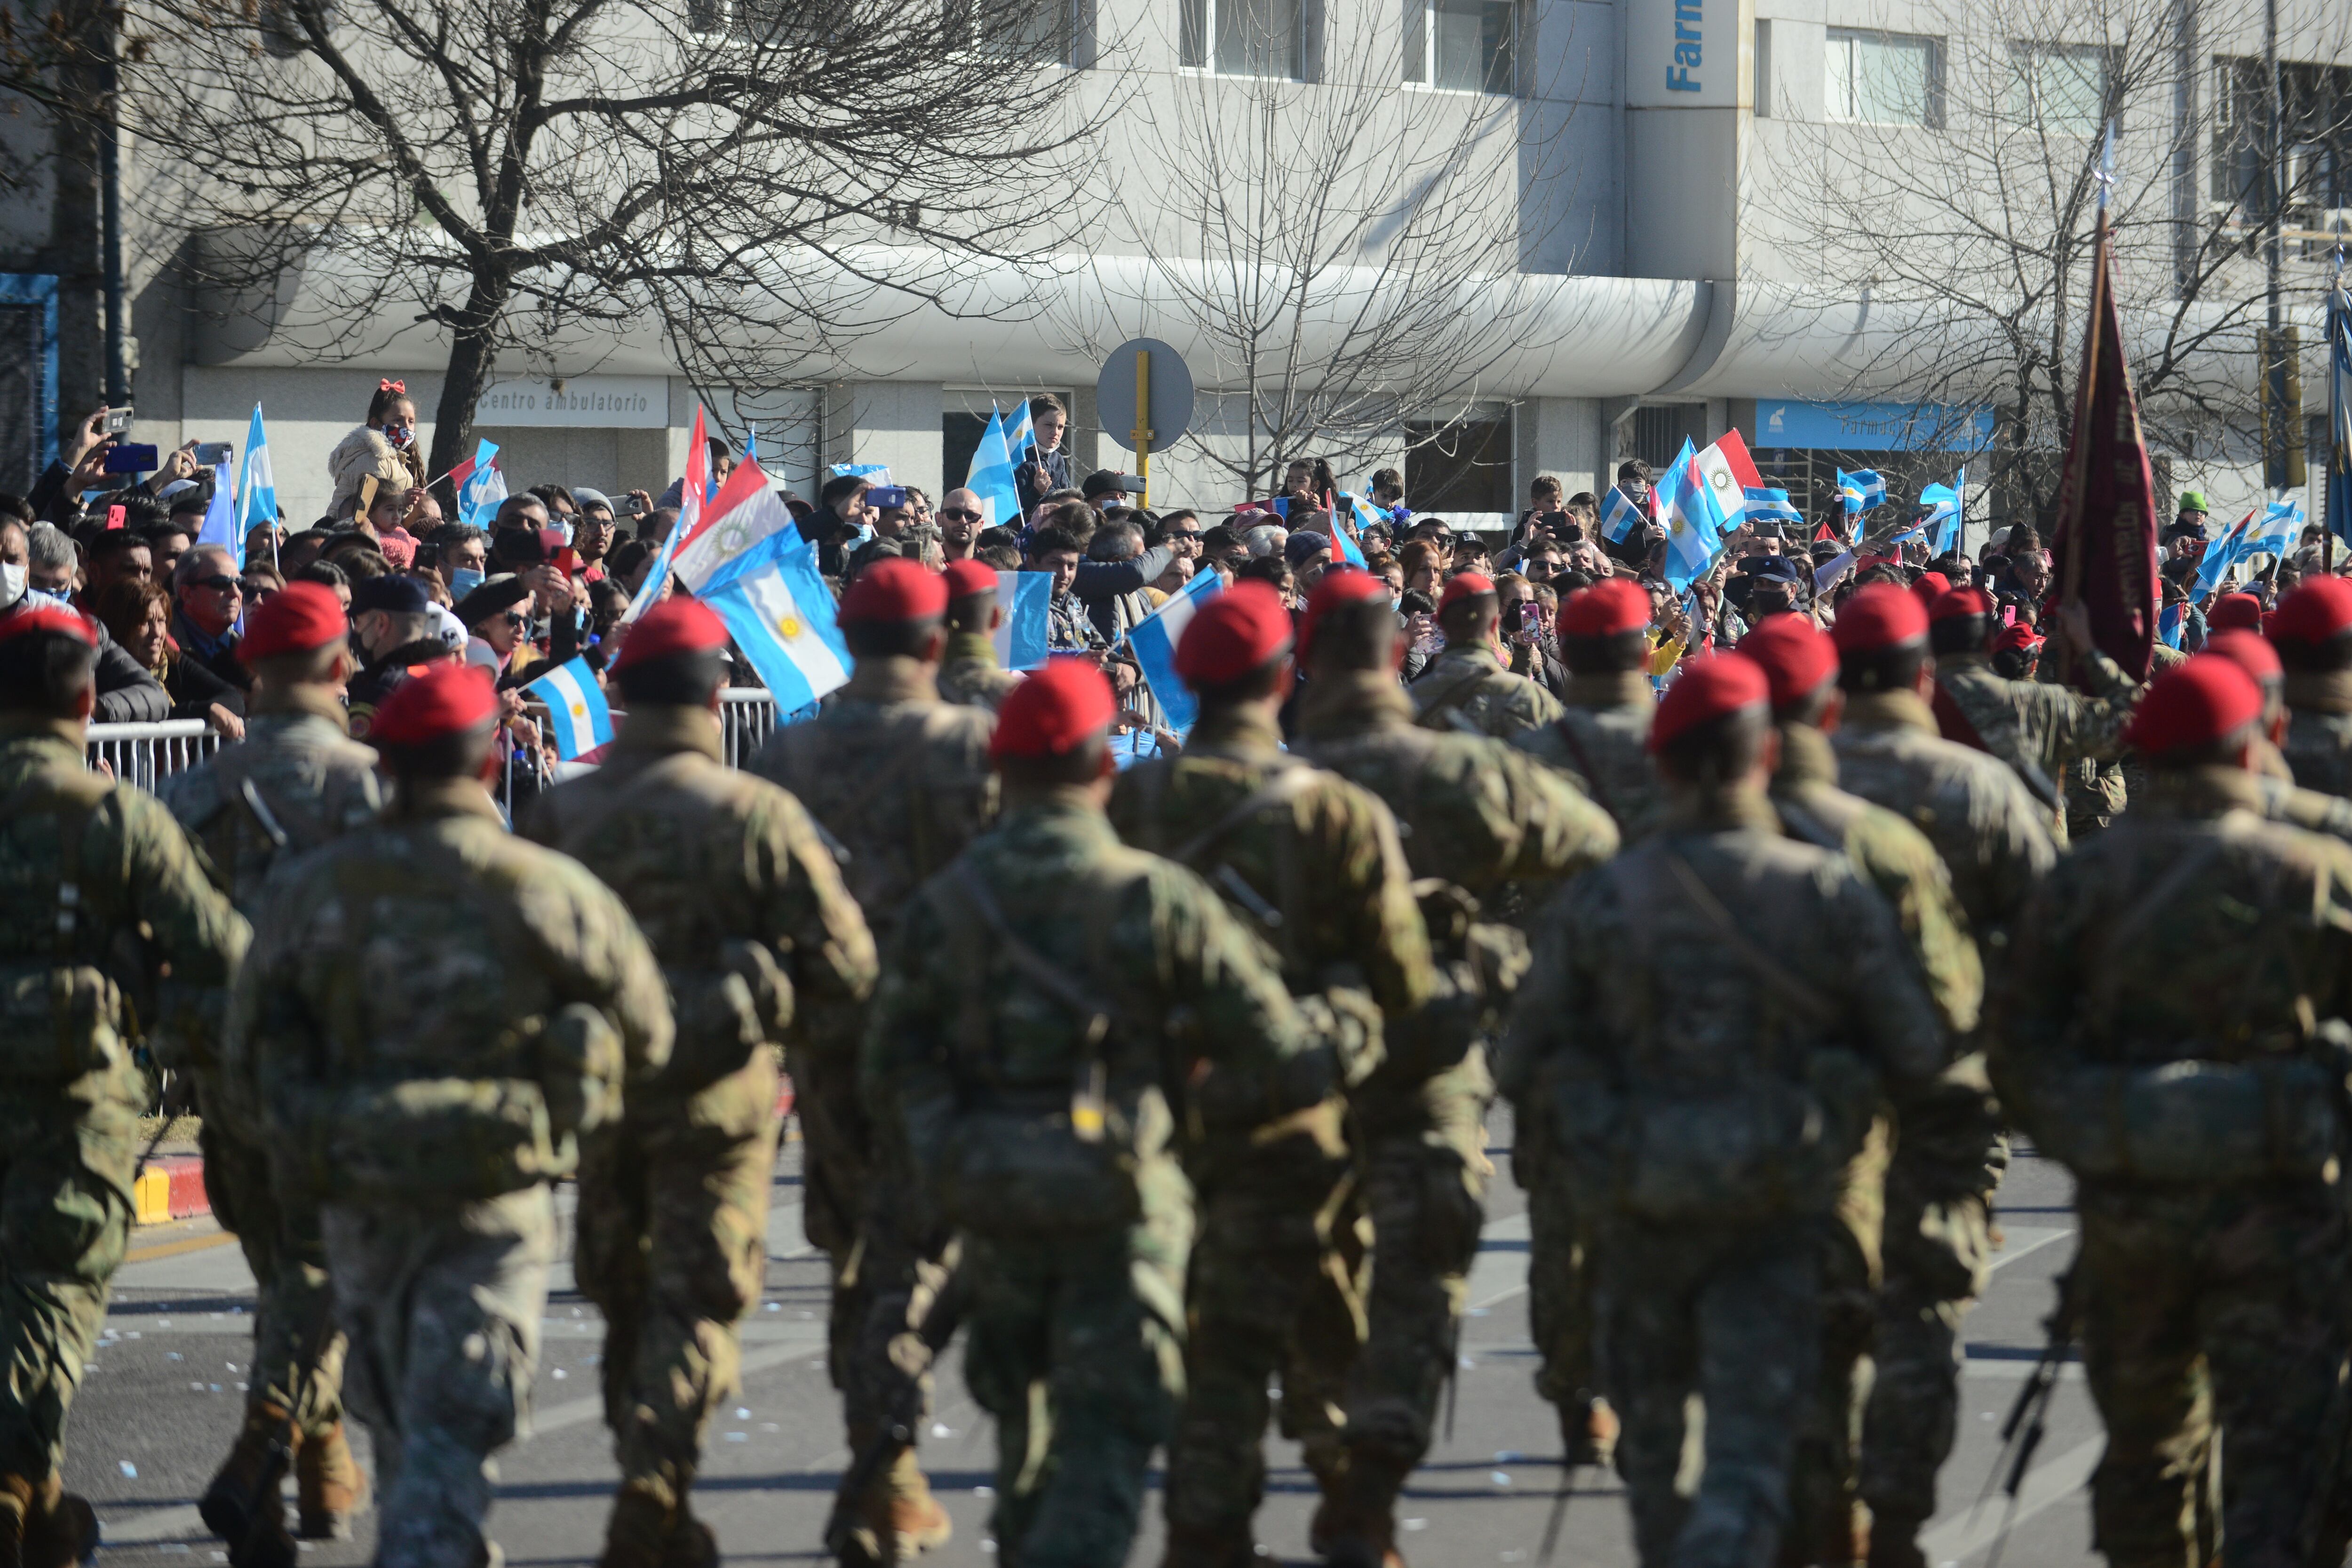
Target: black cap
x=401, y=594
x=500, y=592
x=1775, y=566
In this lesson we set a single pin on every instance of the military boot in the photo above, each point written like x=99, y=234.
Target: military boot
x=904, y=1517
x=241, y=1477
x=330, y=1484
x=60, y=1529
x=1327, y=1462
x=691, y=1544
x=15, y=1504
x=1894, y=1544
x=1361, y=1533
x=639, y=1533
x=1207, y=1546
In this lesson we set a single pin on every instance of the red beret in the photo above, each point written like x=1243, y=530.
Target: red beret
x=674, y=626
x=1797, y=657
x=1931, y=586
x=446, y=700
x=2016, y=638
x=1880, y=616
x=1462, y=585
x=894, y=589
x=2194, y=705
x=1612, y=605
x=54, y=618
x=1954, y=603
x=1334, y=590
x=295, y=619
x=2250, y=651
x=1708, y=688
x=967, y=578
x=2315, y=612
x=2242, y=611
x=1054, y=711
x=1235, y=632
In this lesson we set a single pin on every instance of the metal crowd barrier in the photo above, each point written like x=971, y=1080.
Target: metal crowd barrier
x=747, y=717
x=145, y=754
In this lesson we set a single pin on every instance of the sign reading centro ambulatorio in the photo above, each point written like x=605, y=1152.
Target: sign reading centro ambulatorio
x=1685, y=54
x=586, y=403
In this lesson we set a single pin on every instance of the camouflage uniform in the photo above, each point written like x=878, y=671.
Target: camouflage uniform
x=745, y=909
x=1480, y=813
x=1275, y=1284
x=900, y=781
x=1465, y=688
x=1601, y=738
x=2156, y=1036
x=970, y=675
x=991, y=1065
x=2318, y=744
x=2042, y=730
x=1655, y=1035
x=70, y=1093
x=435, y=1011
x=1898, y=860
x=1994, y=839
x=2277, y=799
x=313, y=784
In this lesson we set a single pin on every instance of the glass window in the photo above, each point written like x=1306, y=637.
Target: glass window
x=1468, y=45
x=1884, y=78
x=1465, y=467
x=1763, y=99
x=2062, y=87
x=1245, y=37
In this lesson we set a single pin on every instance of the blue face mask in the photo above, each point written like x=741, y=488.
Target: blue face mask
x=464, y=581
x=62, y=595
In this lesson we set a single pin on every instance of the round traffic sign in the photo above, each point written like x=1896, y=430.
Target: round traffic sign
x=1172, y=393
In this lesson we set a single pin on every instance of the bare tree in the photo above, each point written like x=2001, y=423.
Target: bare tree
x=1953, y=190
x=759, y=187
x=1351, y=251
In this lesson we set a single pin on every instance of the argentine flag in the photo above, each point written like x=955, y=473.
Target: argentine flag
x=1694, y=522
x=991, y=476
x=1861, y=491
x=1027, y=601
x=781, y=614
x=2279, y=532
x=1767, y=504
x=2168, y=623
x=220, y=517
x=1154, y=640
x=575, y=708
x=256, y=486
x=2220, y=556
x=1346, y=534
x=1020, y=436
x=480, y=486
x=1619, y=515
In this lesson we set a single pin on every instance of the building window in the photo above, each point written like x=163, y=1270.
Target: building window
x=1463, y=467
x=1660, y=430
x=1884, y=78
x=28, y=378
x=2059, y=87
x=1763, y=96
x=2316, y=136
x=1245, y=38
x=1469, y=45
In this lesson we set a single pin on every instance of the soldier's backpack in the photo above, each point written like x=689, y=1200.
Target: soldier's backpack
x=61, y=1015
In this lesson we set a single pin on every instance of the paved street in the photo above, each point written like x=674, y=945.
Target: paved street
x=158, y=1411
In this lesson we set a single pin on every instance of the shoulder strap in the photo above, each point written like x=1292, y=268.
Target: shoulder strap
x=1956, y=724
x=1802, y=823
x=1776, y=980
x=1584, y=765
x=1097, y=1013
x=1290, y=777
x=1453, y=695
x=2145, y=907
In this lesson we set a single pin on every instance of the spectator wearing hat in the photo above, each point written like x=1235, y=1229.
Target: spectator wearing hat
x=1775, y=587
x=2039, y=728
x=2313, y=633
x=1993, y=833
x=1466, y=687
x=969, y=671
x=398, y=640
x=2188, y=520
x=594, y=532
x=496, y=620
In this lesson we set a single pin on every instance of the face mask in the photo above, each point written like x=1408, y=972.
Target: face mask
x=12, y=584
x=464, y=581
x=58, y=596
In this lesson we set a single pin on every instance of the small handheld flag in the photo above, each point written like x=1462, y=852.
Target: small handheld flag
x=1765, y=504
x=1025, y=638
x=1695, y=521
x=257, y=489
x=691, y=503
x=576, y=710
x=991, y=477
x=2220, y=556
x=1153, y=640
x=1620, y=513
x=480, y=486
x=220, y=517
x=2168, y=625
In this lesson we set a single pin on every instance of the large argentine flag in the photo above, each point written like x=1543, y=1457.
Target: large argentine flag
x=575, y=707
x=1729, y=473
x=1695, y=521
x=256, y=484
x=746, y=510
x=1154, y=640
x=691, y=499
x=1027, y=600
x=991, y=476
x=780, y=613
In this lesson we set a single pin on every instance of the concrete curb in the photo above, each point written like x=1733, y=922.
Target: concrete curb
x=169, y=1187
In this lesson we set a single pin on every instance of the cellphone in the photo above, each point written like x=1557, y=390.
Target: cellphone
x=637, y=507
x=116, y=422
x=213, y=454
x=1131, y=485
x=130, y=459
x=885, y=495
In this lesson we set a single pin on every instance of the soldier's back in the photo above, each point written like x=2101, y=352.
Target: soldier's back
x=1606, y=750
x=296, y=782
x=1466, y=688
x=2318, y=749
x=975, y=682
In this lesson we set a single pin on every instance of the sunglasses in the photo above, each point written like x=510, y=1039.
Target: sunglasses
x=960, y=514
x=1184, y=533
x=218, y=584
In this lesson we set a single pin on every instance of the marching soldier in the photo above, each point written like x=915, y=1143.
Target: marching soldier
x=1716, y=1093
x=1602, y=736
x=1480, y=815
x=900, y=781
x=296, y=782
x=2281, y=799
x=2040, y=729
x=1994, y=838
x=1801, y=663
x=437, y=1013
x=2171, y=1028
x=745, y=909
x=969, y=673
x=85, y=863
x=1044, y=999
x=1466, y=687
x=2312, y=632
x=1314, y=865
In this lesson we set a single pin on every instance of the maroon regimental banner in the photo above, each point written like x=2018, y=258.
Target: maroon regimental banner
x=2105, y=542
